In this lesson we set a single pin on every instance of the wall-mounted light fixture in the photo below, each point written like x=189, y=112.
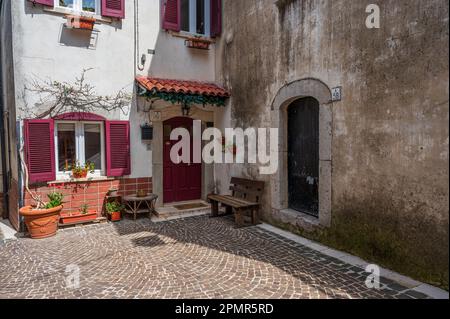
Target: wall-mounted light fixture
x=146, y=133
x=185, y=109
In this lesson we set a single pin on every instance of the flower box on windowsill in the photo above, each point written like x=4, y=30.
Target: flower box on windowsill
x=80, y=22
x=197, y=43
x=78, y=217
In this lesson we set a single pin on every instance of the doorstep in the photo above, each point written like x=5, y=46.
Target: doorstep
x=7, y=232
x=171, y=212
x=431, y=291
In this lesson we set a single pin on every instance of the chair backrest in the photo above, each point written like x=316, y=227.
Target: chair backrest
x=247, y=189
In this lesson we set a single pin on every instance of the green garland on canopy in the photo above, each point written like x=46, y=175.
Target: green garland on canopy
x=181, y=98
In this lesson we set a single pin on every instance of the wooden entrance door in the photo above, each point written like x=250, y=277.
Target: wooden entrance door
x=303, y=157
x=182, y=182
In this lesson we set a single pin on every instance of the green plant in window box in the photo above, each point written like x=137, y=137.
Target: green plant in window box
x=84, y=209
x=81, y=171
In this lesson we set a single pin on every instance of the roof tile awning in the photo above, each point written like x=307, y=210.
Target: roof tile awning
x=182, y=87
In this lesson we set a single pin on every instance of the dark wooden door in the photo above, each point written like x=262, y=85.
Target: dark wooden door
x=182, y=182
x=303, y=157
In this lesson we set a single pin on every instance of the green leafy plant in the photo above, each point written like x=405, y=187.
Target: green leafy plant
x=114, y=207
x=84, y=209
x=55, y=200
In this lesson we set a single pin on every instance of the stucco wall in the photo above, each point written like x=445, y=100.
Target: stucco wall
x=390, y=131
x=44, y=49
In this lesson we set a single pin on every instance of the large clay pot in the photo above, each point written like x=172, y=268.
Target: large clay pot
x=41, y=223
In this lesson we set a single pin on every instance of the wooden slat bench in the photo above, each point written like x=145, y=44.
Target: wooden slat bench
x=243, y=203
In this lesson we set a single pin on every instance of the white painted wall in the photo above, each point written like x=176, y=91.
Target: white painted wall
x=43, y=48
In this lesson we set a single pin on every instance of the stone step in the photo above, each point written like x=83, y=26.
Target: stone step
x=170, y=213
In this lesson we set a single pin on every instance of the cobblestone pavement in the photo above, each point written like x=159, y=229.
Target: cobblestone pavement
x=191, y=258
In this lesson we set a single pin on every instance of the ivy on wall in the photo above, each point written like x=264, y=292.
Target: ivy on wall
x=181, y=98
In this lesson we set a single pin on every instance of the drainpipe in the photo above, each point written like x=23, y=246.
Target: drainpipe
x=2, y=135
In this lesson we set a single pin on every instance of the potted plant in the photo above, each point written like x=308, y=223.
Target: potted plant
x=80, y=171
x=42, y=219
x=114, y=211
x=80, y=22
x=84, y=215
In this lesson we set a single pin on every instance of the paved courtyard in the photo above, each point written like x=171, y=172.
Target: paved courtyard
x=192, y=258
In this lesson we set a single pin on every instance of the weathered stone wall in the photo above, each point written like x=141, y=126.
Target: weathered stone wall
x=390, y=131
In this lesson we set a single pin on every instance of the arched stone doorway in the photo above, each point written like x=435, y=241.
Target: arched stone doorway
x=303, y=156
x=291, y=97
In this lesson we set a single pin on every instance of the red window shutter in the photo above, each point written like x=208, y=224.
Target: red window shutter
x=49, y=3
x=40, y=150
x=216, y=18
x=171, y=15
x=118, y=161
x=113, y=8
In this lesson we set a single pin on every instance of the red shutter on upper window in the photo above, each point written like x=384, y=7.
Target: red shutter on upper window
x=113, y=8
x=49, y=3
x=40, y=150
x=118, y=160
x=171, y=15
x=216, y=18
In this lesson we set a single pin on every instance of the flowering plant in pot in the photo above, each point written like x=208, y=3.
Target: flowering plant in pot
x=81, y=171
x=42, y=219
x=82, y=216
x=114, y=211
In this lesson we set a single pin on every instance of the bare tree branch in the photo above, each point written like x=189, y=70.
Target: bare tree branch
x=79, y=96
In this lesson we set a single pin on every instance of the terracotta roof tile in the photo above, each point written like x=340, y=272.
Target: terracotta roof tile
x=181, y=86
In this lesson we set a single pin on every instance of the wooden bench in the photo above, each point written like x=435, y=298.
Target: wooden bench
x=244, y=202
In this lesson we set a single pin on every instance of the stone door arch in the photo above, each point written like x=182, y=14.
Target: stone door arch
x=279, y=188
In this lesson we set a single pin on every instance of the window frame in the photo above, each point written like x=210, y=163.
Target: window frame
x=193, y=19
x=78, y=7
x=80, y=148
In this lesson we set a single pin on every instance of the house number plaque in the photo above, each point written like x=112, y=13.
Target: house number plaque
x=336, y=93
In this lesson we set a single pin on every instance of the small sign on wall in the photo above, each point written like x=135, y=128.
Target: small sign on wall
x=155, y=116
x=336, y=94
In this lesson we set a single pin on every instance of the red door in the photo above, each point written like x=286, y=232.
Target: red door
x=182, y=182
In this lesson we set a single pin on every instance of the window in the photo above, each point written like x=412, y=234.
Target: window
x=92, y=6
x=195, y=16
x=79, y=142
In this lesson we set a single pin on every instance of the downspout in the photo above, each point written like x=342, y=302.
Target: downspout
x=2, y=135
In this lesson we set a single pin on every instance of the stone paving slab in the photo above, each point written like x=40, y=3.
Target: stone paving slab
x=197, y=257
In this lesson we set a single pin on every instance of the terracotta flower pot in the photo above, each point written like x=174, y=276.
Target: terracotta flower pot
x=115, y=217
x=82, y=174
x=41, y=223
x=79, y=22
x=78, y=217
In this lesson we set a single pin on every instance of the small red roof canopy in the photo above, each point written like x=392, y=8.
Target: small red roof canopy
x=181, y=86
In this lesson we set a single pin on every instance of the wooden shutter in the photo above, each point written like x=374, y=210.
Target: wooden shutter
x=216, y=18
x=49, y=3
x=113, y=8
x=171, y=15
x=118, y=161
x=40, y=150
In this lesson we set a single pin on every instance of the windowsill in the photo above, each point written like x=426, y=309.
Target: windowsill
x=188, y=35
x=82, y=180
x=62, y=11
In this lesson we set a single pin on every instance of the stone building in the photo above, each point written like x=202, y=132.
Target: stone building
x=362, y=112
x=376, y=173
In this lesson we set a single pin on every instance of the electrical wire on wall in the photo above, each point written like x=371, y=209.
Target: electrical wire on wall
x=140, y=66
